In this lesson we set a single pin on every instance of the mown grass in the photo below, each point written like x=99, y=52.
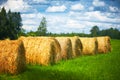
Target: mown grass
x=97, y=67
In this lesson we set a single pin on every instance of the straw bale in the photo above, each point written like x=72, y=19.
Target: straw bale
x=12, y=56
x=90, y=45
x=76, y=46
x=41, y=50
x=66, y=47
x=104, y=44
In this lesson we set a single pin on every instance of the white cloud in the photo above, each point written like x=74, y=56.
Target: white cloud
x=91, y=8
x=39, y=1
x=101, y=17
x=85, y=26
x=113, y=9
x=74, y=24
x=31, y=21
x=94, y=16
x=54, y=20
x=32, y=15
x=29, y=27
x=56, y=23
x=98, y=3
x=71, y=22
x=63, y=23
x=86, y=20
x=77, y=7
x=56, y=8
x=16, y=5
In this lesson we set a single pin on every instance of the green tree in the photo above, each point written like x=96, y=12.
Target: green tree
x=31, y=33
x=94, y=31
x=16, y=23
x=112, y=32
x=22, y=32
x=3, y=24
x=42, y=29
x=10, y=24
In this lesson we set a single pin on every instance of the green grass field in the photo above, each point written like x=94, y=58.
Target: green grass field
x=97, y=67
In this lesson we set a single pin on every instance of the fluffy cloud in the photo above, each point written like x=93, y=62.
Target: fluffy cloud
x=97, y=16
x=98, y=3
x=59, y=24
x=36, y=15
x=77, y=7
x=31, y=21
x=56, y=23
x=89, y=19
x=56, y=8
x=16, y=5
x=113, y=9
x=94, y=16
x=72, y=22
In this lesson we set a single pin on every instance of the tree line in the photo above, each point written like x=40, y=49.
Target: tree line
x=11, y=27
x=114, y=33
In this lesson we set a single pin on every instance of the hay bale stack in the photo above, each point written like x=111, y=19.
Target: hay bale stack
x=41, y=50
x=90, y=45
x=12, y=56
x=104, y=44
x=66, y=47
x=76, y=46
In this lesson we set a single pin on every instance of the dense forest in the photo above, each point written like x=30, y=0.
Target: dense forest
x=11, y=27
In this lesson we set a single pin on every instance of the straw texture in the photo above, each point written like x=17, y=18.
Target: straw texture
x=76, y=46
x=66, y=47
x=12, y=56
x=104, y=44
x=90, y=45
x=41, y=50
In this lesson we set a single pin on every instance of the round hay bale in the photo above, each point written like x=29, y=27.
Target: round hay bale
x=42, y=50
x=12, y=56
x=76, y=46
x=104, y=44
x=66, y=47
x=90, y=45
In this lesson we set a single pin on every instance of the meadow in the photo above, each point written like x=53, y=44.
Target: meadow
x=96, y=67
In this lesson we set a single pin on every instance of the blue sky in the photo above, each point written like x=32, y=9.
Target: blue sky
x=67, y=15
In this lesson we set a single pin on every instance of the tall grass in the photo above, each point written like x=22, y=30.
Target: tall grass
x=97, y=67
